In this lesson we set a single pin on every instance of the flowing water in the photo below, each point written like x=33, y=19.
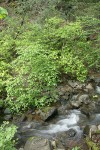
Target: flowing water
x=73, y=120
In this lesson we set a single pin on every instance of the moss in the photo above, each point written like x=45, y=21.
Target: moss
x=91, y=144
x=98, y=132
x=46, y=109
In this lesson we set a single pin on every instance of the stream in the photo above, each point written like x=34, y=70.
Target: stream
x=75, y=112
x=74, y=122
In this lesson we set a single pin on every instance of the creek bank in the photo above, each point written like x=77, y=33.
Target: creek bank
x=65, y=129
x=62, y=125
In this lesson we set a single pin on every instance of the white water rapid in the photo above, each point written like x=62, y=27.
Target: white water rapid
x=70, y=122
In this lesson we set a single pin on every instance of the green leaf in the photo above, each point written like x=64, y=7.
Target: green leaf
x=3, y=13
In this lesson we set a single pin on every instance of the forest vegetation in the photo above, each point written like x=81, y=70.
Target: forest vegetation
x=42, y=42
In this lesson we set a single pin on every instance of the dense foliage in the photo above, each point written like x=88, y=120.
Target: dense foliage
x=47, y=41
x=6, y=136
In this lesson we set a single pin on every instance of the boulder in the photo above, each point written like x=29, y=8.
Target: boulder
x=48, y=113
x=7, y=111
x=37, y=143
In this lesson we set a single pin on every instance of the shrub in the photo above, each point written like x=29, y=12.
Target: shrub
x=44, y=54
x=7, y=133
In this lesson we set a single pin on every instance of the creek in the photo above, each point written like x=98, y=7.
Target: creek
x=74, y=122
x=75, y=112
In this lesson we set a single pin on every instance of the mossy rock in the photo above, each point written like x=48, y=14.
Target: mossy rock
x=48, y=113
x=92, y=145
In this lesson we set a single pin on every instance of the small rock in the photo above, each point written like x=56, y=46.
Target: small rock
x=7, y=111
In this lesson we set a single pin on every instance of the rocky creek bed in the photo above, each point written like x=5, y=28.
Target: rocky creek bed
x=74, y=121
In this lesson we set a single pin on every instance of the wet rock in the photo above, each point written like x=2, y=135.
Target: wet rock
x=7, y=111
x=37, y=143
x=71, y=133
x=48, y=113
